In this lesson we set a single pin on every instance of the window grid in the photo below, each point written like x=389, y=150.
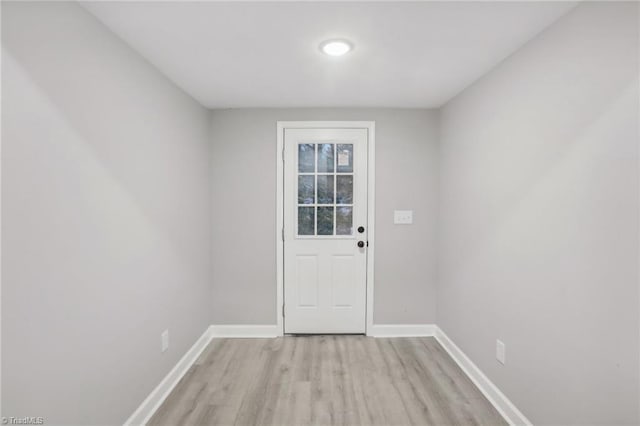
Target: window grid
x=335, y=205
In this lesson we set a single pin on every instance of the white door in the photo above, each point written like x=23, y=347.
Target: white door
x=325, y=230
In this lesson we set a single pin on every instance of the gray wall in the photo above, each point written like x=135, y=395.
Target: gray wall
x=105, y=208
x=244, y=228
x=539, y=230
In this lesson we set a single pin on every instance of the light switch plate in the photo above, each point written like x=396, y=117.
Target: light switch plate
x=403, y=217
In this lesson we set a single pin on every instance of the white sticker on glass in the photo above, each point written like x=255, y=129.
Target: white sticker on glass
x=343, y=158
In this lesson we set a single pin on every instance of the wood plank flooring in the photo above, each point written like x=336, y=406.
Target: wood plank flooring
x=326, y=380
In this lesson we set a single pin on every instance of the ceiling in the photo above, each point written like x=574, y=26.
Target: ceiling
x=265, y=54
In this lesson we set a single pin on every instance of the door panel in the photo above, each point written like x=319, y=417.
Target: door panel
x=307, y=281
x=325, y=196
x=343, y=280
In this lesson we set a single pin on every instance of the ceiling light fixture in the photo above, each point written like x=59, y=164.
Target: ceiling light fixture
x=336, y=47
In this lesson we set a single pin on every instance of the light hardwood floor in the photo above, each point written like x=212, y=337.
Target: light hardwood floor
x=326, y=380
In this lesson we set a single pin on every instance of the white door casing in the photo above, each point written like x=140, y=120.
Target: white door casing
x=325, y=202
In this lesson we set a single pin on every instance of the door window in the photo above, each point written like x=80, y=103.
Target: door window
x=325, y=189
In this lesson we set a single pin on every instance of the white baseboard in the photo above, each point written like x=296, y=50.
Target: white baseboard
x=401, y=330
x=149, y=406
x=505, y=407
x=270, y=331
x=245, y=331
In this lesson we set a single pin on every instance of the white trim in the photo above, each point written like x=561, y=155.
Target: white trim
x=157, y=396
x=505, y=407
x=370, y=126
x=280, y=228
x=245, y=331
x=402, y=330
x=371, y=221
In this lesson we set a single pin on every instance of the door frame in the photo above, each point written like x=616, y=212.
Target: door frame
x=370, y=126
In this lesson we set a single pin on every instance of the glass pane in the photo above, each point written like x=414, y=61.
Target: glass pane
x=306, y=189
x=325, y=189
x=344, y=193
x=345, y=158
x=344, y=221
x=306, y=220
x=325, y=157
x=325, y=220
x=306, y=158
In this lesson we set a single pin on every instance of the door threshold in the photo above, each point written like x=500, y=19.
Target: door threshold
x=322, y=334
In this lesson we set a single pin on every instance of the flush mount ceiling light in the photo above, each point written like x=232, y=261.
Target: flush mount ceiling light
x=336, y=47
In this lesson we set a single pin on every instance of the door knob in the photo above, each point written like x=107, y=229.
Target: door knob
x=360, y=244
x=361, y=229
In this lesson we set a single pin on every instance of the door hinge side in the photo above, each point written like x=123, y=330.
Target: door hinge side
x=282, y=311
x=283, y=154
x=282, y=235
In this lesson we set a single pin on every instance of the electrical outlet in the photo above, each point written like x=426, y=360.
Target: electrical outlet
x=403, y=217
x=501, y=352
x=164, y=337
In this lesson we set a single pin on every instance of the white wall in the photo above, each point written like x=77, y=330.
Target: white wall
x=106, y=211
x=244, y=204
x=539, y=220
